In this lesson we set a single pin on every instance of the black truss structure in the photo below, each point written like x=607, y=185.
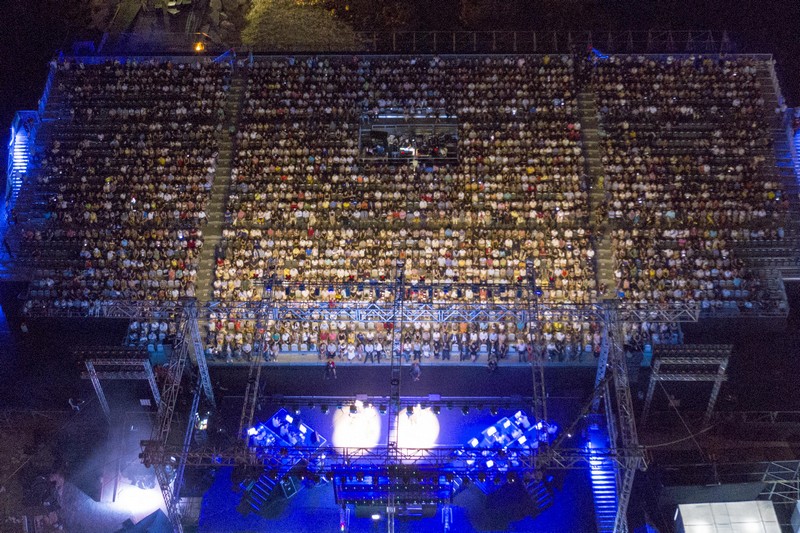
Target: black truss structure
x=394, y=302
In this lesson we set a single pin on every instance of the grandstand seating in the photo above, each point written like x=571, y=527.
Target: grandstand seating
x=303, y=198
x=687, y=154
x=117, y=206
x=125, y=182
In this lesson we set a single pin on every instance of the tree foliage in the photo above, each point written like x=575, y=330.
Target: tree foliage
x=290, y=25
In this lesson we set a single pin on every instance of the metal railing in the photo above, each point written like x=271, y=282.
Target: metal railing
x=456, y=42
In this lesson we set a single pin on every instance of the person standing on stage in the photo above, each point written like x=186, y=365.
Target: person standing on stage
x=368, y=351
x=416, y=371
x=330, y=369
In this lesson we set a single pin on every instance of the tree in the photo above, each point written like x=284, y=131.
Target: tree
x=291, y=25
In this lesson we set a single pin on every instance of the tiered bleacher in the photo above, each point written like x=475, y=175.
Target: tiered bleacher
x=303, y=198
x=687, y=154
x=126, y=181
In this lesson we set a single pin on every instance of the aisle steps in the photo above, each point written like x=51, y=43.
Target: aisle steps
x=215, y=212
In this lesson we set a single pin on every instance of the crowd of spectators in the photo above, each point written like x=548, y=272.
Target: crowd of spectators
x=151, y=334
x=687, y=155
x=127, y=178
x=301, y=198
x=242, y=339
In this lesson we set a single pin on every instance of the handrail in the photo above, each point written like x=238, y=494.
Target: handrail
x=51, y=74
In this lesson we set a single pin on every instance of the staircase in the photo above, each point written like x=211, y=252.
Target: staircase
x=604, y=493
x=541, y=495
x=258, y=494
x=219, y=192
x=20, y=257
x=797, y=155
x=782, y=256
x=20, y=161
x=591, y=136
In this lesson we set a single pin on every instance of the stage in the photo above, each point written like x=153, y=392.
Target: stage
x=506, y=507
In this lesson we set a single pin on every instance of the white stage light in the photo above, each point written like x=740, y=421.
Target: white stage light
x=138, y=503
x=418, y=430
x=356, y=430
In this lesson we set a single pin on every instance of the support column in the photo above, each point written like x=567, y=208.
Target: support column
x=151, y=380
x=199, y=350
x=651, y=389
x=250, y=398
x=169, y=501
x=712, y=400
x=625, y=485
x=98, y=389
x=537, y=360
x=628, y=439
x=396, y=362
x=187, y=442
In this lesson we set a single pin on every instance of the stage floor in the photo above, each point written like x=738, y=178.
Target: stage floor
x=472, y=380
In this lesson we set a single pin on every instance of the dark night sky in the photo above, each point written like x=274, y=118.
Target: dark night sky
x=32, y=30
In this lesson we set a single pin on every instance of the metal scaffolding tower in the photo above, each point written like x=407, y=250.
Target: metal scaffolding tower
x=536, y=357
x=177, y=484
x=409, y=302
x=394, y=357
x=694, y=362
x=622, y=423
x=119, y=368
x=254, y=376
x=396, y=362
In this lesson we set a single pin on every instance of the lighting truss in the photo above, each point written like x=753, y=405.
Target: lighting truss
x=120, y=370
x=453, y=459
x=693, y=363
x=456, y=402
x=394, y=302
x=417, y=306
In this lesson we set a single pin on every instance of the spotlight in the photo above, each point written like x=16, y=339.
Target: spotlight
x=310, y=405
x=324, y=409
x=382, y=409
x=297, y=409
x=482, y=477
x=409, y=410
x=465, y=410
x=376, y=516
x=199, y=46
x=437, y=410
x=353, y=409
x=493, y=410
